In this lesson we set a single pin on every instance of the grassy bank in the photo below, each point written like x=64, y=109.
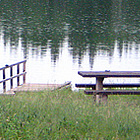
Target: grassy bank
x=68, y=115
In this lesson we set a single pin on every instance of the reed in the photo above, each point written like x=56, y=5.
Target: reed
x=65, y=114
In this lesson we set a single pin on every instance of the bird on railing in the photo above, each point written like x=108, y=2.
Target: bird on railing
x=6, y=65
x=107, y=70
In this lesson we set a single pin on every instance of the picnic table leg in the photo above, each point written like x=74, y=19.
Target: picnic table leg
x=99, y=86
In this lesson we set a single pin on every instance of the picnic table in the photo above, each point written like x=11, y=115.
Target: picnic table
x=102, y=95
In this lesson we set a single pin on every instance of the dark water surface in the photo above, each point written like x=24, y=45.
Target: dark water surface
x=58, y=38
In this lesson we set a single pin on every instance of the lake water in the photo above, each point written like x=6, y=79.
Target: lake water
x=60, y=38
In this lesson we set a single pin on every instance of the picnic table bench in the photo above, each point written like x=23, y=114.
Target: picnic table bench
x=107, y=85
x=97, y=88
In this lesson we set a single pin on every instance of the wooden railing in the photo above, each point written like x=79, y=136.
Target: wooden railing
x=17, y=75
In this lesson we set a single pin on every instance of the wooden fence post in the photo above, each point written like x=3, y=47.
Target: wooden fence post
x=4, y=83
x=17, y=74
x=24, y=69
x=11, y=74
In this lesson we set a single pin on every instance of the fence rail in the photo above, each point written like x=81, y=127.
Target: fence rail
x=17, y=75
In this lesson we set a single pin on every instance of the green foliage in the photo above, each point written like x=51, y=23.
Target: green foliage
x=68, y=115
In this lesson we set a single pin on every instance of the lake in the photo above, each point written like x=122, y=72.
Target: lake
x=60, y=38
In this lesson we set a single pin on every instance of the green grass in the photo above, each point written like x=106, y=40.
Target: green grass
x=68, y=115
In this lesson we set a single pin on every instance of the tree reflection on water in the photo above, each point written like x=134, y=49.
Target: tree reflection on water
x=89, y=25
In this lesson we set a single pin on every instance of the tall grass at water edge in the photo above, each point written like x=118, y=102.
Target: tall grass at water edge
x=66, y=114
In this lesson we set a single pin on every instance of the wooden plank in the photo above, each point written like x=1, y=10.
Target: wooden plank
x=106, y=74
x=8, y=93
x=107, y=85
x=34, y=87
x=40, y=87
x=112, y=92
x=3, y=94
x=7, y=66
x=4, y=80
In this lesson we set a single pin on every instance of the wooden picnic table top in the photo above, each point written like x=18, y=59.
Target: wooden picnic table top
x=105, y=74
